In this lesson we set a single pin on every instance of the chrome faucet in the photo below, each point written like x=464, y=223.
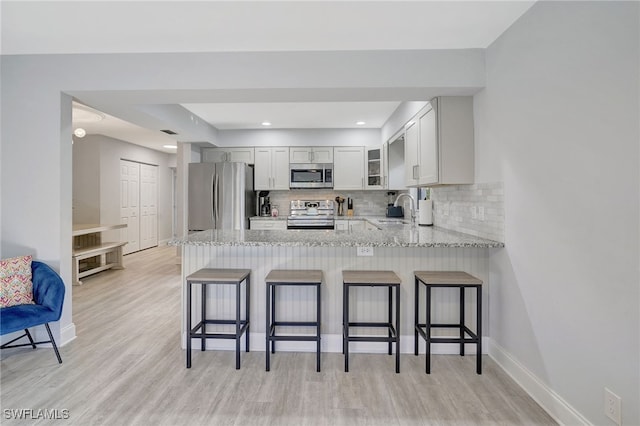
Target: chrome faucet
x=413, y=205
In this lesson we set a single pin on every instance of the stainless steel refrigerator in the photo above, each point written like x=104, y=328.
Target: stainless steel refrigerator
x=221, y=196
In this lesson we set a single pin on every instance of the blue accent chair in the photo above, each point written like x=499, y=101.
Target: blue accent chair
x=48, y=295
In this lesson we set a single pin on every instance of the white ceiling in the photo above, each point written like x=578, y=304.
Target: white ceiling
x=294, y=115
x=213, y=26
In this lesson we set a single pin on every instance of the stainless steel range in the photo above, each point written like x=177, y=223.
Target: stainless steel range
x=311, y=215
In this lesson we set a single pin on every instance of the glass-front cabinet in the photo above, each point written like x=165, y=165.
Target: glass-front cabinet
x=375, y=158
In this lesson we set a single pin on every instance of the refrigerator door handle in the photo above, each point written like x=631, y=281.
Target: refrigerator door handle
x=213, y=199
x=216, y=199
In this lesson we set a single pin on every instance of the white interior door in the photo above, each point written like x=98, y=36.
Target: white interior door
x=148, y=206
x=130, y=204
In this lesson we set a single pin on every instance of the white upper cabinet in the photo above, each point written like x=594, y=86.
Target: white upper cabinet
x=439, y=143
x=376, y=167
x=348, y=168
x=411, y=140
x=311, y=154
x=234, y=155
x=271, y=168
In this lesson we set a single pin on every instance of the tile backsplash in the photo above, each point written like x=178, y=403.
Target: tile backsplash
x=365, y=203
x=476, y=209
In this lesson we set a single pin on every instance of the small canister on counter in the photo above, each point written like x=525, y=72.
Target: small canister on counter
x=349, y=206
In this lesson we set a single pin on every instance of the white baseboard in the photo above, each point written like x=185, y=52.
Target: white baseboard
x=67, y=334
x=333, y=343
x=561, y=411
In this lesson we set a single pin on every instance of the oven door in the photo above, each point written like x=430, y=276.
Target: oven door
x=315, y=223
x=309, y=176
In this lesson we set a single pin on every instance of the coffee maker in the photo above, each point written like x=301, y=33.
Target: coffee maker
x=264, y=204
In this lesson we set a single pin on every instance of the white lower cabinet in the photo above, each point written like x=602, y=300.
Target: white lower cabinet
x=350, y=225
x=268, y=224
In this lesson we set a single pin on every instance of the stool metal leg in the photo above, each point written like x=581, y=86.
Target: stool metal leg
x=203, y=339
x=247, y=304
x=428, y=329
x=462, y=320
x=416, y=321
x=273, y=315
x=267, y=330
x=238, y=337
x=479, y=330
x=188, y=324
x=345, y=343
x=318, y=316
x=390, y=297
x=397, y=329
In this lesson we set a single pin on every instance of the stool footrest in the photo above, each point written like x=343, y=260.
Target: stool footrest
x=216, y=336
x=453, y=340
x=294, y=324
x=421, y=328
x=194, y=330
x=292, y=338
x=370, y=324
x=371, y=339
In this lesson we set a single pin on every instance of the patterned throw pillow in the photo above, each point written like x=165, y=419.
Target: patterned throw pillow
x=16, y=287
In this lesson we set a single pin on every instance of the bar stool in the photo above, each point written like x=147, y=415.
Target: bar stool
x=206, y=277
x=371, y=279
x=448, y=279
x=280, y=277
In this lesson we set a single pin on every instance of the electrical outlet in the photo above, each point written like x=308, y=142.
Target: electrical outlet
x=365, y=251
x=613, y=406
x=445, y=209
x=474, y=212
x=481, y=213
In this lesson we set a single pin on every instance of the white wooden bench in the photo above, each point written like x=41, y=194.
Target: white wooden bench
x=88, y=244
x=110, y=258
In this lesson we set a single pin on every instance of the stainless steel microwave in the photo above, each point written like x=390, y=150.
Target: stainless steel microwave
x=310, y=175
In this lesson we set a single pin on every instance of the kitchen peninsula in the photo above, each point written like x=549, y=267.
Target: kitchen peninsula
x=402, y=248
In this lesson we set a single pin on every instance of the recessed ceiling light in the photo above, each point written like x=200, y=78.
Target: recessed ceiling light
x=266, y=123
x=360, y=123
x=80, y=132
x=170, y=146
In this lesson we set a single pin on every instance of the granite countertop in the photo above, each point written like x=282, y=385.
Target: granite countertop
x=268, y=218
x=388, y=235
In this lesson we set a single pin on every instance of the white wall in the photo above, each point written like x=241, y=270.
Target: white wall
x=86, y=180
x=558, y=123
x=111, y=151
x=400, y=117
x=103, y=154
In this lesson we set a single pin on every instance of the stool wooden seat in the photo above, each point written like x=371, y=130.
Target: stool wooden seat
x=448, y=279
x=206, y=277
x=291, y=277
x=371, y=279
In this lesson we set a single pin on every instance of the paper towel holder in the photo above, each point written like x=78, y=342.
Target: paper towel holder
x=425, y=212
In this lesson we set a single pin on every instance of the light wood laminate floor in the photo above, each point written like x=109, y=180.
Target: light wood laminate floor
x=126, y=367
